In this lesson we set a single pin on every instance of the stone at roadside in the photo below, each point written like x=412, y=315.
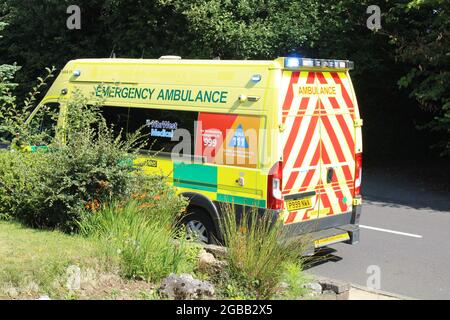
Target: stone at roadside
x=328, y=295
x=335, y=286
x=217, y=251
x=12, y=292
x=341, y=289
x=208, y=264
x=185, y=287
x=314, y=288
x=343, y=295
x=44, y=298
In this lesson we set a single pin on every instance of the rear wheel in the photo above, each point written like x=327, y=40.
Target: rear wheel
x=199, y=226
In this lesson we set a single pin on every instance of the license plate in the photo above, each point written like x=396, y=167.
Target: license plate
x=294, y=205
x=330, y=240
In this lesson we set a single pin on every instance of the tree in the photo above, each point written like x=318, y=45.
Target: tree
x=7, y=74
x=421, y=38
x=250, y=29
x=398, y=68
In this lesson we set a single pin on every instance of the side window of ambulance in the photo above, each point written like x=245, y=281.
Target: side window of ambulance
x=157, y=126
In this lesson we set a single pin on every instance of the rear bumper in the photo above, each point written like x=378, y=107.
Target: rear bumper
x=329, y=230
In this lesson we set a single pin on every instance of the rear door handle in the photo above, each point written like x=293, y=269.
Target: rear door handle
x=330, y=174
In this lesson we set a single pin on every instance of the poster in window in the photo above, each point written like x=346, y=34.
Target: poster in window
x=228, y=139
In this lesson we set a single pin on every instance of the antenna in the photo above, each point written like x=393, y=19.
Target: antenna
x=143, y=51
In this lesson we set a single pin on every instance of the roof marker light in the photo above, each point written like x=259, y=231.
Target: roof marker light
x=256, y=78
x=291, y=63
x=307, y=62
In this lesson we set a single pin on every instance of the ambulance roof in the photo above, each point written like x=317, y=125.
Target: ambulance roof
x=268, y=63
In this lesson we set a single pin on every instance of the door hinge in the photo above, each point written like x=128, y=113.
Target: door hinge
x=358, y=123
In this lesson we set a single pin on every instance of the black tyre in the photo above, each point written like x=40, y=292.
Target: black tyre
x=199, y=226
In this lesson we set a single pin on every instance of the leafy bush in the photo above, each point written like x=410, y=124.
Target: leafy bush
x=13, y=116
x=21, y=185
x=139, y=234
x=86, y=166
x=258, y=253
x=295, y=280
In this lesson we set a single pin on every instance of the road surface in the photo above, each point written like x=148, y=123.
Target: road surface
x=405, y=235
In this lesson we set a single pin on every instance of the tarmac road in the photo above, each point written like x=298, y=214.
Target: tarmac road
x=405, y=235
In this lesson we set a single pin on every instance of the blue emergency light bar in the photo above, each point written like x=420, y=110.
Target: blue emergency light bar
x=297, y=63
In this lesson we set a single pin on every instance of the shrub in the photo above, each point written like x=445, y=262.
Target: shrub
x=21, y=184
x=258, y=253
x=295, y=280
x=139, y=235
x=92, y=166
x=13, y=116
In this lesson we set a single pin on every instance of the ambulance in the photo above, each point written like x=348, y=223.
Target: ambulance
x=280, y=136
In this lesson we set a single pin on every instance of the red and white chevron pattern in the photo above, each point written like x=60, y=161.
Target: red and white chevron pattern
x=319, y=134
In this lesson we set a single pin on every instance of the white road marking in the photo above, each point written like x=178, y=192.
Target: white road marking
x=392, y=231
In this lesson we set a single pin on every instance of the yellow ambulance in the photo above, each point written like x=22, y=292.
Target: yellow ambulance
x=283, y=136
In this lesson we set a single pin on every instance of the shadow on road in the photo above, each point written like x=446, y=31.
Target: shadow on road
x=322, y=256
x=420, y=185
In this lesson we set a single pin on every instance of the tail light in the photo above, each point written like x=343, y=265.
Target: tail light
x=358, y=173
x=274, y=194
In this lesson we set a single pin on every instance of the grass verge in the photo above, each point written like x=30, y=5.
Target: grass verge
x=34, y=263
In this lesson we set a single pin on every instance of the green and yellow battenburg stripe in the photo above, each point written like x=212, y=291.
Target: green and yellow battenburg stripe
x=218, y=183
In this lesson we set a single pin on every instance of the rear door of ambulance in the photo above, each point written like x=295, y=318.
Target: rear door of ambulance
x=337, y=134
x=301, y=146
x=318, y=145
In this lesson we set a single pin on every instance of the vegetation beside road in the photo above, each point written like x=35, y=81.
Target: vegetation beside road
x=401, y=76
x=122, y=227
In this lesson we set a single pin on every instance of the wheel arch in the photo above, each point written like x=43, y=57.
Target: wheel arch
x=203, y=202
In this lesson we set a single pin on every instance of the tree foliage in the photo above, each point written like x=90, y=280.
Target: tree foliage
x=409, y=56
x=250, y=29
x=421, y=38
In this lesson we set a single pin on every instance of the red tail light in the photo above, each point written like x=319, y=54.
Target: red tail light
x=358, y=173
x=274, y=183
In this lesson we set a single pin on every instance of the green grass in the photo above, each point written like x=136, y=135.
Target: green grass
x=35, y=262
x=260, y=256
x=140, y=239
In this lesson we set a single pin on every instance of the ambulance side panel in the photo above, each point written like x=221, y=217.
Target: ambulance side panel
x=219, y=181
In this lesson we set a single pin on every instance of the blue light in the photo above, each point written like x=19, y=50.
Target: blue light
x=256, y=78
x=292, y=63
x=77, y=73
